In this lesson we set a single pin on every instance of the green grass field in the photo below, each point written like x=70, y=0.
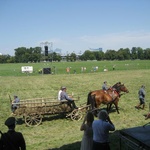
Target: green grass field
x=60, y=67
x=57, y=132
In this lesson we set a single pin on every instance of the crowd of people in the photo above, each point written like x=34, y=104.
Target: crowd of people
x=96, y=131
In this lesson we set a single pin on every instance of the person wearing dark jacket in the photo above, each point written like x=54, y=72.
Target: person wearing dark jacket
x=12, y=140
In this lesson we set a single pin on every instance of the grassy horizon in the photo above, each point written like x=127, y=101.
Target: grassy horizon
x=60, y=67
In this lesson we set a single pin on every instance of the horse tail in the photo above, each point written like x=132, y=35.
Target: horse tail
x=90, y=100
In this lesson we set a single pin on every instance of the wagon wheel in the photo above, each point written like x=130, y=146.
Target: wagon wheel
x=76, y=115
x=33, y=119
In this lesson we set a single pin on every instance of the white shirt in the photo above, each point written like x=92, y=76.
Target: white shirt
x=59, y=95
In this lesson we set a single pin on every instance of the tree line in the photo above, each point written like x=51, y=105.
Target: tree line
x=25, y=55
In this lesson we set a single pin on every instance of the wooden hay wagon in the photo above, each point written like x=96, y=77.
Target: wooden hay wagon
x=33, y=110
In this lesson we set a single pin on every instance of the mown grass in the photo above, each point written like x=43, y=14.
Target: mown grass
x=57, y=132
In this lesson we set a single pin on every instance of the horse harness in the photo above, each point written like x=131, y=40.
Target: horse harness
x=114, y=91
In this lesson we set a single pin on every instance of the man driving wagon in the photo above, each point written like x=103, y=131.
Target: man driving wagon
x=64, y=96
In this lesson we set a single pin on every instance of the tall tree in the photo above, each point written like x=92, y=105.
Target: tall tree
x=134, y=53
x=99, y=55
x=123, y=54
x=88, y=55
x=73, y=57
x=110, y=55
x=140, y=53
x=24, y=55
x=147, y=53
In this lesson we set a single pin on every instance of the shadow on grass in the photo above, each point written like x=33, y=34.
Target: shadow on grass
x=21, y=121
x=72, y=146
x=112, y=109
x=114, y=143
x=54, y=117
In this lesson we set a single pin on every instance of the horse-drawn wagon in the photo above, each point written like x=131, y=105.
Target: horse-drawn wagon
x=33, y=110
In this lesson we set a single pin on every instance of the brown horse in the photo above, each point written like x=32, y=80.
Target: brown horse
x=109, y=97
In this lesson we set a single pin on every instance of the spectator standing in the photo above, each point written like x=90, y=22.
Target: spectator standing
x=12, y=140
x=87, y=139
x=68, y=70
x=141, y=94
x=101, y=128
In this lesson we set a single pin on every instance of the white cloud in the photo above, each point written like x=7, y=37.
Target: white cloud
x=113, y=41
x=119, y=40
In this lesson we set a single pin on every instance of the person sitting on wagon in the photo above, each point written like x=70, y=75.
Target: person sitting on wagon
x=64, y=96
x=15, y=104
x=59, y=93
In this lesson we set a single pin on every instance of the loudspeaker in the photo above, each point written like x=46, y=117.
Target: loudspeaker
x=46, y=50
x=46, y=70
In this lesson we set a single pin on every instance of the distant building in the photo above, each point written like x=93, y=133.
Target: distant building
x=96, y=49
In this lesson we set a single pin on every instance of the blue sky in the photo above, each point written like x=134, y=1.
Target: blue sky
x=74, y=25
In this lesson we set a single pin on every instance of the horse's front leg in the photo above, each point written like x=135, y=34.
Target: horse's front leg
x=109, y=106
x=116, y=106
x=95, y=112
